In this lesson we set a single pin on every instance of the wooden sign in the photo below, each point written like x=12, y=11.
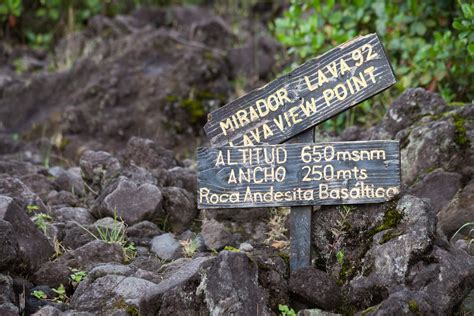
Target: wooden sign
x=298, y=174
x=312, y=93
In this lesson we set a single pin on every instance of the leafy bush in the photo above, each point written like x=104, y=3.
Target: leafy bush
x=430, y=44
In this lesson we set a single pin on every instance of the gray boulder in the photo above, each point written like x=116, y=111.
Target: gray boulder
x=148, y=154
x=92, y=253
x=133, y=203
x=180, y=206
x=7, y=297
x=392, y=252
x=179, y=292
x=34, y=248
x=215, y=235
x=74, y=214
x=459, y=211
x=315, y=288
x=438, y=186
x=52, y=274
x=166, y=247
x=231, y=286
x=142, y=233
x=410, y=107
x=70, y=181
x=110, y=293
x=39, y=184
x=8, y=246
x=182, y=178
x=14, y=188
x=98, y=166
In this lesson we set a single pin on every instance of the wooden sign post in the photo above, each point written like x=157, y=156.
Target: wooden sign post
x=298, y=174
x=301, y=173
x=312, y=93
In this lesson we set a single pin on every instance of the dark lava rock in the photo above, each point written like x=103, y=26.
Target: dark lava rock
x=74, y=214
x=458, y=212
x=232, y=286
x=315, y=288
x=182, y=178
x=70, y=181
x=109, y=293
x=62, y=199
x=131, y=202
x=14, y=188
x=273, y=276
x=148, y=154
x=7, y=297
x=446, y=277
x=39, y=184
x=438, y=186
x=76, y=236
x=404, y=302
x=16, y=168
x=52, y=274
x=34, y=247
x=255, y=59
x=178, y=293
x=141, y=233
x=98, y=166
x=180, y=205
x=410, y=107
x=215, y=235
x=139, y=175
x=8, y=245
x=92, y=253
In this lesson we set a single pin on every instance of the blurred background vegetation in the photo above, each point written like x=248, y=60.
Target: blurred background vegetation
x=429, y=43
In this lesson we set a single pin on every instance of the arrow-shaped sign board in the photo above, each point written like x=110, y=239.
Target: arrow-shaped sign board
x=298, y=174
x=310, y=94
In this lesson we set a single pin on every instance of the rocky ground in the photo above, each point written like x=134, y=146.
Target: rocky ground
x=97, y=188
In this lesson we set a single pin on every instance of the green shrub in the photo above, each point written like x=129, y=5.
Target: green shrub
x=429, y=43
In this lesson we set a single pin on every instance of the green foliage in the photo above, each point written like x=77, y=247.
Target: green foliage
x=61, y=296
x=391, y=219
x=190, y=246
x=429, y=43
x=10, y=8
x=286, y=311
x=115, y=234
x=340, y=257
x=232, y=249
x=41, y=220
x=39, y=294
x=31, y=208
x=77, y=275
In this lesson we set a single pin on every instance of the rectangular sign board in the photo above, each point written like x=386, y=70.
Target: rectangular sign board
x=298, y=174
x=315, y=91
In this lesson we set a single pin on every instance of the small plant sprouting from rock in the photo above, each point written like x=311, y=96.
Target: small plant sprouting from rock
x=31, y=209
x=77, y=275
x=115, y=234
x=39, y=294
x=277, y=228
x=340, y=257
x=286, y=311
x=61, y=296
x=41, y=220
x=190, y=247
x=129, y=251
